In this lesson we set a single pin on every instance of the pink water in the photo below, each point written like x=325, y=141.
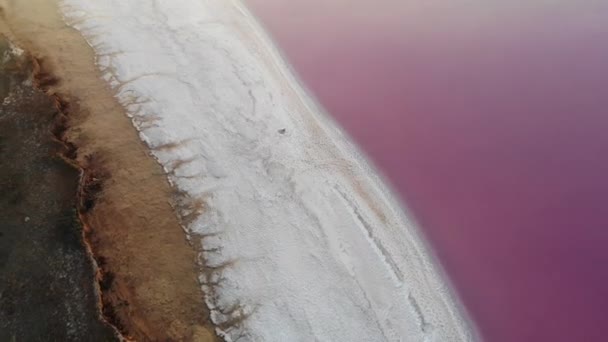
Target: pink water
x=491, y=120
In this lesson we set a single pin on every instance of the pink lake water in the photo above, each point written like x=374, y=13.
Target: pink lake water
x=490, y=118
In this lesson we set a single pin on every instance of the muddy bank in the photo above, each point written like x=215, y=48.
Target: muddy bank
x=149, y=284
x=47, y=280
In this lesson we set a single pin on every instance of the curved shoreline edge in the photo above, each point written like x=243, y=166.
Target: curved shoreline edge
x=426, y=269
x=345, y=141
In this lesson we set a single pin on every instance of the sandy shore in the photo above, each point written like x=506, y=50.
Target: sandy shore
x=150, y=290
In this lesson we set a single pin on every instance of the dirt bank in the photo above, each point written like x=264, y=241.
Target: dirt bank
x=149, y=285
x=47, y=278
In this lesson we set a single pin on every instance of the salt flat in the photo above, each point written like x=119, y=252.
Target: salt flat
x=300, y=239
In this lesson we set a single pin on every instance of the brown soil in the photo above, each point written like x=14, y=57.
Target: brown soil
x=47, y=287
x=148, y=272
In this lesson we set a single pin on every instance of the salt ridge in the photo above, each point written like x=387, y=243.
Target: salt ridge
x=301, y=239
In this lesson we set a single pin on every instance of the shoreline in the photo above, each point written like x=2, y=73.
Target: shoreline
x=42, y=236
x=348, y=145
x=88, y=188
x=425, y=264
